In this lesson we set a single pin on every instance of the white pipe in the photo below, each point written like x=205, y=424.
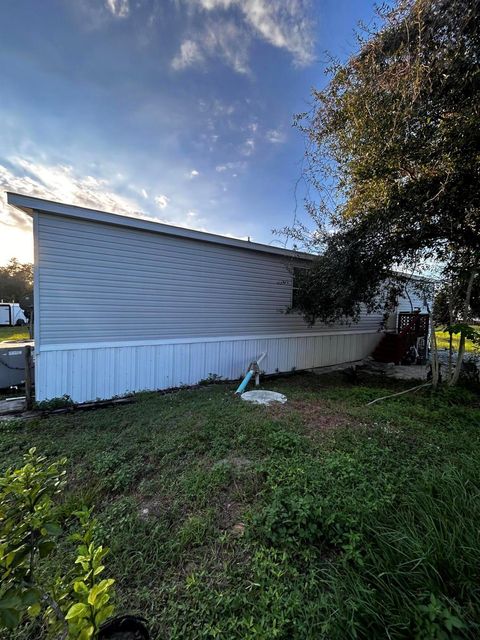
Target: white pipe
x=261, y=357
x=252, y=370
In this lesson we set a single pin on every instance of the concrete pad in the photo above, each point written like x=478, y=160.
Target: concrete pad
x=263, y=397
x=408, y=372
x=12, y=405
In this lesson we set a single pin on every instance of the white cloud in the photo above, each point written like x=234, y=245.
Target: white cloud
x=231, y=166
x=52, y=182
x=138, y=190
x=284, y=24
x=275, y=136
x=194, y=173
x=189, y=55
x=237, y=237
x=60, y=182
x=118, y=8
x=162, y=201
x=223, y=39
x=216, y=107
x=222, y=108
x=248, y=147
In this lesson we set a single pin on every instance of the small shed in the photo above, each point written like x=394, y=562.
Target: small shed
x=125, y=304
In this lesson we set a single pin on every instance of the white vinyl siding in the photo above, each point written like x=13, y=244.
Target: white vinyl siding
x=103, y=283
x=102, y=372
x=416, y=300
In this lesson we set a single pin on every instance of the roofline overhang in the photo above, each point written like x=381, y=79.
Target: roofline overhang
x=30, y=205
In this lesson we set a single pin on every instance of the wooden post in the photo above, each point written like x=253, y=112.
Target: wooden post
x=30, y=324
x=28, y=377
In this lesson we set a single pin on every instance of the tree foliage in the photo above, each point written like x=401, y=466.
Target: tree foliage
x=16, y=283
x=395, y=144
x=394, y=154
x=449, y=304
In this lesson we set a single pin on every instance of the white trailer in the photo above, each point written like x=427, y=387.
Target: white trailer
x=11, y=314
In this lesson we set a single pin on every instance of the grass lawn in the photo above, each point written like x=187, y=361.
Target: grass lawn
x=322, y=518
x=14, y=333
x=443, y=341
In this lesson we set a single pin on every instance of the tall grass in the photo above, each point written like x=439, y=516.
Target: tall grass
x=420, y=568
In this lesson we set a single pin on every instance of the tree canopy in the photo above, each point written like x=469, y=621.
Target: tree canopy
x=394, y=154
x=16, y=283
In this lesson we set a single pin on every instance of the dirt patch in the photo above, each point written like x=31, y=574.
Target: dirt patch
x=315, y=416
x=228, y=512
x=237, y=462
x=238, y=529
x=154, y=507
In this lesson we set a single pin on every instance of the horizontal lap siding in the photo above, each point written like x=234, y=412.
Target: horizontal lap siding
x=103, y=283
x=89, y=373
x=417, y=300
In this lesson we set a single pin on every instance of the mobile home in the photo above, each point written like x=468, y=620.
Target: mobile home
x=209, y=305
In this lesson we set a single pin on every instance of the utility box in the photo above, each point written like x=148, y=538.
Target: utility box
x=12, y=363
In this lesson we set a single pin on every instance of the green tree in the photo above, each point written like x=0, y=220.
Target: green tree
x=16, y=283
x=393, y=151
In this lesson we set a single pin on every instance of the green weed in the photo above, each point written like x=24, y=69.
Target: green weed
x=368, y=530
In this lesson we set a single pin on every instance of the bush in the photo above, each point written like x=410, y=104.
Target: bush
x=75, y=604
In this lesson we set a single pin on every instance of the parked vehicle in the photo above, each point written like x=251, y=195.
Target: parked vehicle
x=11, y=314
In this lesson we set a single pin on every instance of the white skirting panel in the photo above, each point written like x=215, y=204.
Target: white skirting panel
x=96, y=371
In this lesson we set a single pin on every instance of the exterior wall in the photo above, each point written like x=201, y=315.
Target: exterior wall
x=121, y=309
x=415, y=299
x=101, y=283
x=98, y=372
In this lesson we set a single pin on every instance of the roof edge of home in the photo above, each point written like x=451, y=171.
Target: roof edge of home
x=30, y=204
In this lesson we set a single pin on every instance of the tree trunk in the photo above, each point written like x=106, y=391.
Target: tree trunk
x=435, y=363
x=461, y=347
x=458, y=367
x=450, y=322
x=450, y=354
x=28, y=377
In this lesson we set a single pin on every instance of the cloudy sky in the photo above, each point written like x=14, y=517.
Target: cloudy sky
x=179, y=110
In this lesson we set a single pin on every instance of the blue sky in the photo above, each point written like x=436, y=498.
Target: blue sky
x=179, y=110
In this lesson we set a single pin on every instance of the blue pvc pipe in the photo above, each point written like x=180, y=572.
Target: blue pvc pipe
x=245, y=381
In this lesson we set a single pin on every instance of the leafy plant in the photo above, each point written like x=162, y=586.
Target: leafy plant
x=27, y=533
x=469, y=332
x=435, y=621
x=212, y=378
x=93, y=595
x=55, y=403
x=73, y=605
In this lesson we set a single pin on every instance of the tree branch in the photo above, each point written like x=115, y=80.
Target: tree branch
x=46, y=597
